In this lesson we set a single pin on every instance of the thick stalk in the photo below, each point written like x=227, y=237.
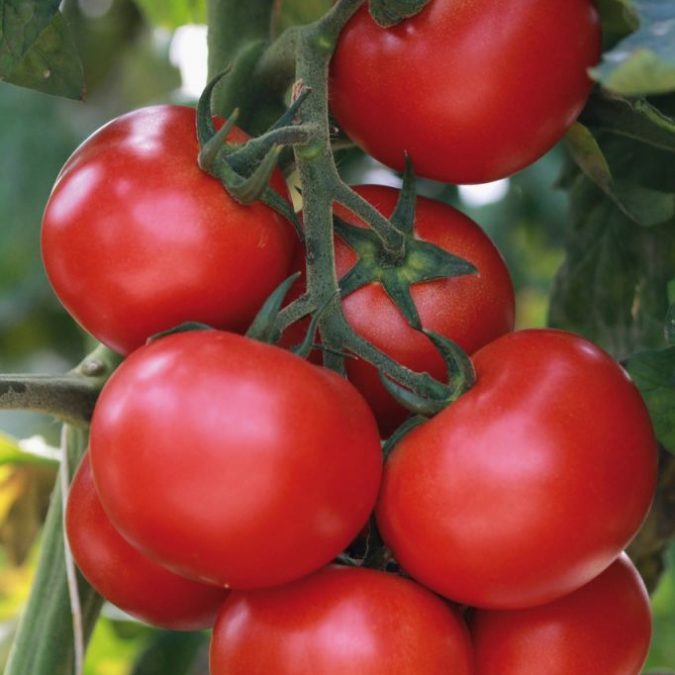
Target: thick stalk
x=44, y=643
x=238, y=33
x=69, y=397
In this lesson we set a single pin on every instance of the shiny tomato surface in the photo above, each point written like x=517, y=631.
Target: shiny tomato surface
x=604, y=627
x=126, y=577
x=472, y=90
x=340, y=620
x=232, y=461
x=136, y=238
x=530, y=484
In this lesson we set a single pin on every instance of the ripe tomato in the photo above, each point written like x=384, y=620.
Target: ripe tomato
x=531, y=483
x=472, y=90
x=136, y=238
x=604, y=627
x=124, y=576
x=472, y=310
x=232, y=461
x=340, y=620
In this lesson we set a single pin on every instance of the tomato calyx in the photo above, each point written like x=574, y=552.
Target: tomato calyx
x=413, y=261
x=245, y=169
x=388, y=13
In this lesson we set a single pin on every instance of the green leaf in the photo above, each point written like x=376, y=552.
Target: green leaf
x=654, y=374
x=643, y=205
x=173, y=13
x=612, y=287
x=644, y=62
x=37, y=50
x=635, y=119
x=617, y=16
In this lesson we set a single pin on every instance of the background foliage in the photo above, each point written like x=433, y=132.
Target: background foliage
x=588, y=233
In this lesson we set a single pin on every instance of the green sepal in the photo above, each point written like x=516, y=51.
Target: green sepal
x=263, y=327
x=249, y=188
x=461, y=372
x=417, y=402
x=403, y=217
x=206, y=130
x=400, y=432
x=304, y=349
x=387, y=13
x=421, y=261
x=185, y=327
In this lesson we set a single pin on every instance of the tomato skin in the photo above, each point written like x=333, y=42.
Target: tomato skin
x=472, y=90
x=124, y=576
x=340, y=620
x=472, y=310
x=136, y=238
x=604, y=627
x=231, y=461
x=531, y=483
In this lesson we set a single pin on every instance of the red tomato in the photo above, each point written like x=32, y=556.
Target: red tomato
x=531, y=483
x=124, y=576
x=472, y=310
x=232, y=461
x=136, y=238
x=604, y=627
x=340, y=620
x=472, y=90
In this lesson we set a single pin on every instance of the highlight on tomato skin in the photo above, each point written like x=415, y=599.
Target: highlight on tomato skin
x=472, y=91
x=232, y=461
x=123, y=575
x=340, y=620
x=604, y=627
x=530, y=484
x=137, y=239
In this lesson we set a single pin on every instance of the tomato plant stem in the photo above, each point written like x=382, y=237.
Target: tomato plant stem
x=321, y=187
x=44, y=643
x=70, y=397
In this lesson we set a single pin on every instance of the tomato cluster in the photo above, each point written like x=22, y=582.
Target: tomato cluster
x=227, y=476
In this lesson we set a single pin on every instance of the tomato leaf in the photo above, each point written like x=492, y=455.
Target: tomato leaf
x=654, y=374
x=644, y=62
x=37, y=50
x=612, y=287
x=636, y=119
x=643, y=205
x=173, y=13
x=618, y=16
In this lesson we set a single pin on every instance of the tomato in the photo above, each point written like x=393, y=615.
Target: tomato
x=340, y=620
x=136, y=238
x=232, y=461
x=472, y=310
x=531, y=483
x=604, y=627
x=124, y=576
x=473, y=91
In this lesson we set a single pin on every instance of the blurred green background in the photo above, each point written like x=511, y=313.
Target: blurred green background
x=129, y=63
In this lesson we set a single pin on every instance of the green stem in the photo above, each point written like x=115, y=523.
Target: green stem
x=321, y=186
x=70, y=397
x=238, y=34
x=44, y=643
